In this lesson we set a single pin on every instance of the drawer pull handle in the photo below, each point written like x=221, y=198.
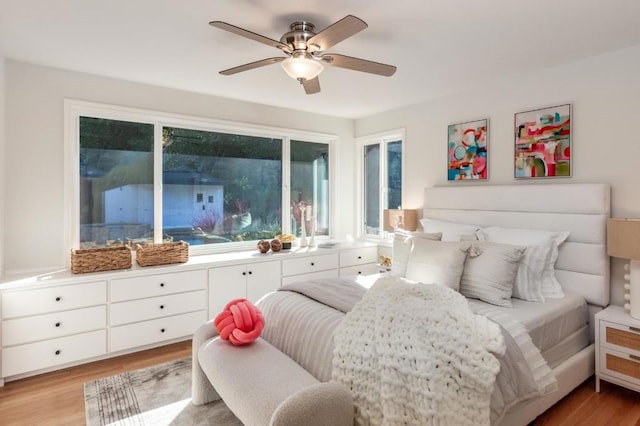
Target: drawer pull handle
x=162, y=330
x=634, y=357
x=161, y=284
x=359, y=272
x=313, y=264
x=161, y=306
x=244, y=273
x=635, y=329
x=359, y=257
x=58, y=352
x=250, y=272
x=58, y=299
x=58, y=324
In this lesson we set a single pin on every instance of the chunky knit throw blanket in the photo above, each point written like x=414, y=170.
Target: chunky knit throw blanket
x=414, y=354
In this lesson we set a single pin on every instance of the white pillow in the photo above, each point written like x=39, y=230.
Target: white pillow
x=401, y=250
x=437, y=262
x=451, y=231
x=535, y=279
x=490, y=272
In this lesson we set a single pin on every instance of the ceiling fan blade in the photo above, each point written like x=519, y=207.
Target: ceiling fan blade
x=311, y=86
x=252, y=65
x=335, y=33
x=343, y=61
x=250, y=35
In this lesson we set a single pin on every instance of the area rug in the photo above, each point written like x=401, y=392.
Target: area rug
x=158, y=395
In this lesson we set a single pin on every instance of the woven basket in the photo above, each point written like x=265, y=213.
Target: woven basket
x=162, y=254
x=100, y=259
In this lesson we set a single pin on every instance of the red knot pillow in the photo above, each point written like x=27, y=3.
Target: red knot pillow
x=240, y=322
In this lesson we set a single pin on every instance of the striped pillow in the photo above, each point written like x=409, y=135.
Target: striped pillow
x=402, y=245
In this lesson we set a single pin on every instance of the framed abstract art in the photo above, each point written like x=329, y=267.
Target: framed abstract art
x=543, y=143
x=468, y=150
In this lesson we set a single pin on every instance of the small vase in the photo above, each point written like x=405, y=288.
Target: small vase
x=303, y=235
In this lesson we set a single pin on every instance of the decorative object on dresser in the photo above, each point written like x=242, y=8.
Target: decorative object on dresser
x=543, y=143
x=400, y=219
x=162, y=254
x=467, y=150
x=100, y=259
x=623, y=240
x=617, y=348
x=263, y=246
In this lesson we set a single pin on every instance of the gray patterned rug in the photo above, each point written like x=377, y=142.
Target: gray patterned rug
x=158, y=395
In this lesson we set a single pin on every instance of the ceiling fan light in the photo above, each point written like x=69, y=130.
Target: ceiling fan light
x=301, y=67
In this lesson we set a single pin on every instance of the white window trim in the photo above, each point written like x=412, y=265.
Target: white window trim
x=74, y=109
x=378, y=138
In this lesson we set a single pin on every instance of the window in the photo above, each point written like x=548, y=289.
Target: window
x=141, y=176
x=381, y=177
x=309, y=187
x=240, y=175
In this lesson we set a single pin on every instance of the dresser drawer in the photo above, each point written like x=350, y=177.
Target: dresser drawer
x=49, y=326
x=367, y=269
x=332, y=273
x=154, y=331
x=53, y=299
x=620, y=365
x=359, y=256
x=156, y=307
x=620, y=337
x=157, y=285
x=50, y=353
x=309, y=264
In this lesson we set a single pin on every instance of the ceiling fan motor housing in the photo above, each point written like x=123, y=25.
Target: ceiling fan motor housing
x=300, y=33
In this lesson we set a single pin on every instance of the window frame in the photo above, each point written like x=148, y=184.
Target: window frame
x=74, y=109
x=383, y=139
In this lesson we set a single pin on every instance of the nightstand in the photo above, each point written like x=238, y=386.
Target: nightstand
x=617, y=348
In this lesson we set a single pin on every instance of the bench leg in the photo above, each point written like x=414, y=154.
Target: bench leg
x=202, y=392
x=324, y=404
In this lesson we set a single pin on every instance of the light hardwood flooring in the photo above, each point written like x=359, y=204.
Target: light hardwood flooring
x=57, y=398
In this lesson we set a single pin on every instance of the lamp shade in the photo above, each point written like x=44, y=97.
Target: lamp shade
x=400, y=219
x=623, y=238
x=302, y=67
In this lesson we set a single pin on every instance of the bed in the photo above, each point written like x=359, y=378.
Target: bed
x=561, y=328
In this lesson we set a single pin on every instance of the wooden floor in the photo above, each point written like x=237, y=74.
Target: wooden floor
x=57, y=398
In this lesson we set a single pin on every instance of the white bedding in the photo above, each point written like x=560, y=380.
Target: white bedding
x=558, y=327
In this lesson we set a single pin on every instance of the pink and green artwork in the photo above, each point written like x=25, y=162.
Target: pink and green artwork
x=467, y=151
x=543, y=143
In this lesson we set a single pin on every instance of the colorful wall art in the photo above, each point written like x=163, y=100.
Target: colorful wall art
x=468, y=151
x=543, y=143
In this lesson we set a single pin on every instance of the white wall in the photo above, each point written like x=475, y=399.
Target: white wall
x=605, y=95
x=2, y=161
x=34, y=204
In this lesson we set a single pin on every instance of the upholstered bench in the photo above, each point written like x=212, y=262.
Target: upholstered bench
x=263, y=386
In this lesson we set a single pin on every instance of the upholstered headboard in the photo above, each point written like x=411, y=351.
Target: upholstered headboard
x=582, y=209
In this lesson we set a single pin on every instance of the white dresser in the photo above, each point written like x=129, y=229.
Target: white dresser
x=58, y=320
x=51, y=326
x=154, y=308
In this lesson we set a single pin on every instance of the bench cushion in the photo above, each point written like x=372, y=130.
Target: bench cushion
x=252, y=380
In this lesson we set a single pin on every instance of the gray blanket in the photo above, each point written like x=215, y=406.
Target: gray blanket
x=301, y=319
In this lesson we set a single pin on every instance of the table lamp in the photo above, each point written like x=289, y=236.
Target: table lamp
x=623, y=240
x=400, y=219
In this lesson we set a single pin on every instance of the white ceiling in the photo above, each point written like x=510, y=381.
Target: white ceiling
x=439, y=46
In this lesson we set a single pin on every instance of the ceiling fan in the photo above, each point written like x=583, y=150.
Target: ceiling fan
x=305, y=50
